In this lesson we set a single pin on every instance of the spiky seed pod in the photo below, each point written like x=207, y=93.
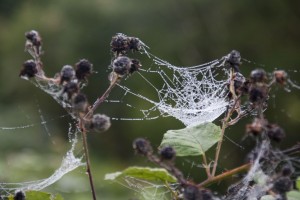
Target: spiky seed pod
x=258, y=76
x=167, y=153
x=83, y=69
x=142, y=146
x=29, y=69
x=67, y=74
x=100, y=123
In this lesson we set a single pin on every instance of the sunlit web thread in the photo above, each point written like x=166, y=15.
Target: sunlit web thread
x=193, y=95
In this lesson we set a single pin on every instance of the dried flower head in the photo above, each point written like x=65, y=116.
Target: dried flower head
x=234, y=60
x=256, y=127
x=67, y=74
x=100, y=123
x=280, y=77
x=34, y=38
x=258, y=94
x=123, y=65
x=29, y=69
x=19, y=195
x=121, y=44
x=80, y=103
x=258, y=76
x=192, y=192
x=83, y=69
x=275, y=132
x=167, y=153
x=71, y=88
x=142, y=146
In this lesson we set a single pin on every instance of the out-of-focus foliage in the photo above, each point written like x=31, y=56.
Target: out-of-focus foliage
x=182, y=32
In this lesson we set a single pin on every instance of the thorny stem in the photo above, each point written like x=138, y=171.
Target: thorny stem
x=225, y=175
x=87, y=158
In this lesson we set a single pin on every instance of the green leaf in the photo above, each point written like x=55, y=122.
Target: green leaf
x=267, y=197
x=192, y=141
x=298, y=183
x=293, y=195
x=146, y=173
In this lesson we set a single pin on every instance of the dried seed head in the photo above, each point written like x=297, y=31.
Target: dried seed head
x=192, y=192
x=100, y=123
x=79, y=103
x=256, y=127
x=258, y=94
x=83, y=69
x=123, y=65
x=29, y=69
x=258, y=76
x=286, y=170
x=280, y=77
x=142, y=146
x=275, y=132
x=67, y=74
x=167, y=153
x=135, y=66
x=119, y=44
x=34, y=37
x=71, y=88
x=134, y=44
x=282, y=185
x=19, y=195
x=234, y=59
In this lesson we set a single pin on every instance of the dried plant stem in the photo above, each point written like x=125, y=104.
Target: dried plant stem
x=114, y=81
x=225, y=123
x=87, y=158
x=225, y=175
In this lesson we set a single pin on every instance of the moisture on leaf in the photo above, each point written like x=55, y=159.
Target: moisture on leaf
x=192, y=141
x=146, y=173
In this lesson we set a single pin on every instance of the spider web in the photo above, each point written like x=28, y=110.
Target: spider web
x=69, y=162
x=193, y=95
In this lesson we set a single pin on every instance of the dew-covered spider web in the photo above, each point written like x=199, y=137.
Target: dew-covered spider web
x=193, y=95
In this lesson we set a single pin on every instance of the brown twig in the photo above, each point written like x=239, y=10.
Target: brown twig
x=224, y=175
x=88, y=165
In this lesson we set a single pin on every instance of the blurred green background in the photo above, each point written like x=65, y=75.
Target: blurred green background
x=182, y=32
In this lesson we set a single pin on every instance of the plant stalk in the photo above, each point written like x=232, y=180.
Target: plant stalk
x=225, y=175
x=88, y=165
